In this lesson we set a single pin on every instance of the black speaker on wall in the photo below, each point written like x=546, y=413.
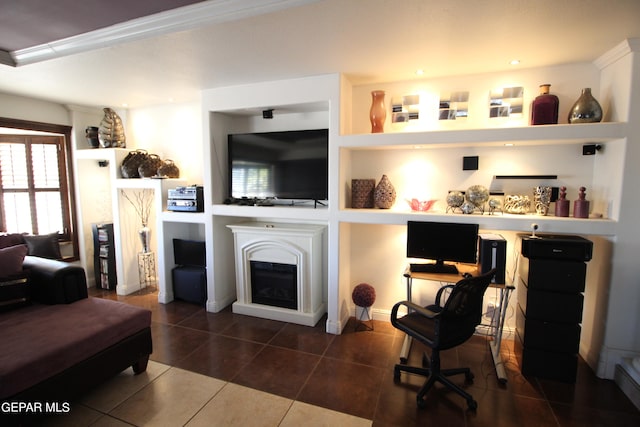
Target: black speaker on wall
x=470, y=163
x=492, y=253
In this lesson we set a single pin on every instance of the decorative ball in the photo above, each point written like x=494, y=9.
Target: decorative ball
x=455, y=199
x=468, y=208
x=478, y=195
x=364, y=295
x=495, y=203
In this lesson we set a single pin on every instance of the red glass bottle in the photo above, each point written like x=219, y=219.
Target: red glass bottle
x=544, y=110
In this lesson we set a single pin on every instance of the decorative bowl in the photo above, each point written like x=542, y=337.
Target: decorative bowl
x=422, y=206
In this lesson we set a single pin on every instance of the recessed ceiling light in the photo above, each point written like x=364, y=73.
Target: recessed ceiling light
x=125, y=105
x=514, y=62
x=509, y=144
x=419, y=72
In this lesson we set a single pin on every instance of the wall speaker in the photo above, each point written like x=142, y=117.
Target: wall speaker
x=470, y=163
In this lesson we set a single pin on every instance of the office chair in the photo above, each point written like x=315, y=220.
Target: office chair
x=441, y=327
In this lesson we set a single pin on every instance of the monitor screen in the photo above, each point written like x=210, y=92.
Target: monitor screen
x=280, y=165
x=442, y=242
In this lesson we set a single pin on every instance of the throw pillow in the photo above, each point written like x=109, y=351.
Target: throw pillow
x=11, y=239
x=11, y=259
x=44, y=246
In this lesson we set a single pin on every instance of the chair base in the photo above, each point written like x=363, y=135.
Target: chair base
x=439, y=375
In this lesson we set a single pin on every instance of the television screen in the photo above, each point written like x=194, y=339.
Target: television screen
x=279, y=165
x=442, y=242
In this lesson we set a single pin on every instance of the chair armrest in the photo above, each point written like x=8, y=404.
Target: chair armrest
x=423, y=311
x=414, y=311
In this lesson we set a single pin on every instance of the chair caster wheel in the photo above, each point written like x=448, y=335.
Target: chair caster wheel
x=473, y=405
x=421, y=403
x=396, y=374
x=469, y=377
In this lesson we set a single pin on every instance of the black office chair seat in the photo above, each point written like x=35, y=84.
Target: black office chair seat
x=441, y=327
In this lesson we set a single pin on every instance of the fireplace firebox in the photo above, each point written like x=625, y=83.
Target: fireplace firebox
x=274, y=284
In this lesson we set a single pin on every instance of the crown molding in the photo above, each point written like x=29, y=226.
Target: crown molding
x=6, y=58
x=622, y=49
x=184, y=18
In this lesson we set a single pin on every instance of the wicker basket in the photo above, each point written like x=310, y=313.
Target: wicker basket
x=362, y=193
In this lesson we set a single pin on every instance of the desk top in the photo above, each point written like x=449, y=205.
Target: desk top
x=473, y=269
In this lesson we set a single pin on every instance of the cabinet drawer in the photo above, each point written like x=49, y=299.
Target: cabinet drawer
x=553, y=275
x=550, y=306
x=546, y=364
x=550, y=336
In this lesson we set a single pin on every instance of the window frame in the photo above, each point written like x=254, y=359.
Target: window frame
x=66, y=169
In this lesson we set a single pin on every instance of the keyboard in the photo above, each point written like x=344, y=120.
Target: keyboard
x=433, y=268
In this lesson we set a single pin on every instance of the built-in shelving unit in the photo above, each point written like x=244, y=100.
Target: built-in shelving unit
x=367, y=245
x=528, y=135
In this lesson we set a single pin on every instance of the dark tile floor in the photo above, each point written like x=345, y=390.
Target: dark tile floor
x=353, y=372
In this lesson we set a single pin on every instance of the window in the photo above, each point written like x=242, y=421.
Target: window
x=35, y=181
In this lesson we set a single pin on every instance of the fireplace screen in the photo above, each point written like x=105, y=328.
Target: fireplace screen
x=274, y=284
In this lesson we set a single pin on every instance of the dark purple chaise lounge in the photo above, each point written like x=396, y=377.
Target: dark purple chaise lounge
x=60, y=343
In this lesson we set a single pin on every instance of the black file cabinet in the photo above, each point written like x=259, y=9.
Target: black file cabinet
x=551, y=281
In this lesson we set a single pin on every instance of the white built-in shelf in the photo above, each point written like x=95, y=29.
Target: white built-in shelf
x=527, y=135
x=183, y=217
x=100, y=153
x=498, y=221
x=299, y=212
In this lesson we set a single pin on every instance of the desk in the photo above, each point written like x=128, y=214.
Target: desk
x=497, y=322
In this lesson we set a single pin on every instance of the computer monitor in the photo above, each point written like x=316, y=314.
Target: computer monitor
x=442, y=242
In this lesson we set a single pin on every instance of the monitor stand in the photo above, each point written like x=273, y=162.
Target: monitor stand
x=438, y=268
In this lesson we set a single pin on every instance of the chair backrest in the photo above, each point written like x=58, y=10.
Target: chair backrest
x=462, y=311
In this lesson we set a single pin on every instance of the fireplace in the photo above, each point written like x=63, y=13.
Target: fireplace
x=279, y=271
x=274, y=284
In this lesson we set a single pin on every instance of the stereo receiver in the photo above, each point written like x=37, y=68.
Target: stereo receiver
x=186, y=199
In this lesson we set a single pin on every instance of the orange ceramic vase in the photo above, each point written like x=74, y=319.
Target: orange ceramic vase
x=378, y=112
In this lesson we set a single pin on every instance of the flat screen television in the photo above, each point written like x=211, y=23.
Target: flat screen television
x=290, y=165
x=442, y=242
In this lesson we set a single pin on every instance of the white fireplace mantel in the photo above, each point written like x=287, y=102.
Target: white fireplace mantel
x=293, y=244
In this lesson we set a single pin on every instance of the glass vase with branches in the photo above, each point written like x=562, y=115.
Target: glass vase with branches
x=142, y=202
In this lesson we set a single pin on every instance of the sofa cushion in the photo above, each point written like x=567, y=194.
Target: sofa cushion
x=44, y=246
x=11, y=260
x=41, y=341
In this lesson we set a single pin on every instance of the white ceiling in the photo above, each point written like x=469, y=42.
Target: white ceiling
x=370, y=41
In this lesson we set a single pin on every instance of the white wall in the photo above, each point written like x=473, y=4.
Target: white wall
x=622, y=337
x=172, y=131
x=22, y=108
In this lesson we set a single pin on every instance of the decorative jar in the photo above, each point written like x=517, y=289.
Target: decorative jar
x=544, y=110
x=562, y=204
x=542, y=199
x=362, y=193
x=586, y=109
x=384, y=195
